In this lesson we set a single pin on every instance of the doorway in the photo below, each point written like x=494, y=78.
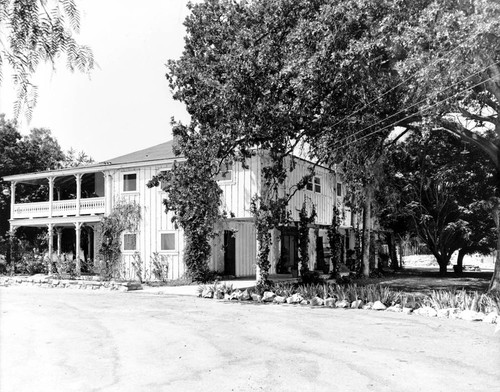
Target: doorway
x=289, y=252
x=229, y=253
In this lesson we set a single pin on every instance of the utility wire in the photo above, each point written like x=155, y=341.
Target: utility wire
x=401, y=83
x=407, y=117
x=422, y=100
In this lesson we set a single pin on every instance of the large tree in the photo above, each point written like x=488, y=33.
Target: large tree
x=37, y=31
x=37, y=151
x=272, y=74
x=338, y=75
x=451, y=62
x=438, y=184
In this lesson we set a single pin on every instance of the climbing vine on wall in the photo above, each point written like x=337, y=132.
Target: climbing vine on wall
x=193, y=195
x=334, y=239
x=125, y=216
x=305, y=219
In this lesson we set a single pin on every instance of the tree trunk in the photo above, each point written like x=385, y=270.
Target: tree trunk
x=391, y=244
x=495, y=279
x=443, y=264
x=400, y=247
x=460, y=261
x=367, y=231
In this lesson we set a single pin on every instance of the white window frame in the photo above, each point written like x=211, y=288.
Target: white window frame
x=136, y=242
x=136, y=182
x=312, y=183
x=176, y=243
x=341, y=190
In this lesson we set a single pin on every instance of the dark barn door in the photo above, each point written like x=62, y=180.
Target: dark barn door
x=229, y=253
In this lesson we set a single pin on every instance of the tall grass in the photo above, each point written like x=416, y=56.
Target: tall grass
x=438, y=299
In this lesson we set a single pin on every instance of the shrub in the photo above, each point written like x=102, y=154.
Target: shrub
x=159, y=267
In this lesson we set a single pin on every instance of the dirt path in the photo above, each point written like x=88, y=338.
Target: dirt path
x=61, y=340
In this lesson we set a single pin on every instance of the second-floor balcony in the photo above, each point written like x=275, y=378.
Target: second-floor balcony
x=46, y=209
x=58, y=194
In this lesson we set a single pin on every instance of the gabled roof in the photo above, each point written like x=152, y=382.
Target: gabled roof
x=160, y=151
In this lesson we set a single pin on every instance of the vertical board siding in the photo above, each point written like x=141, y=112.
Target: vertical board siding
x=236, y=200
x=246, y=249
x=154, y=221
x=237, y=193
x=323, y=201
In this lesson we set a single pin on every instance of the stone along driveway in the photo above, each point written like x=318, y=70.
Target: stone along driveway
x=63, y=340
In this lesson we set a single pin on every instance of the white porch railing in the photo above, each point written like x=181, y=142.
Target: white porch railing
x=90, y=206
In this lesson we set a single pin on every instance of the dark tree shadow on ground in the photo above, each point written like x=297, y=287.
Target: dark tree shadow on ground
x=425, y=280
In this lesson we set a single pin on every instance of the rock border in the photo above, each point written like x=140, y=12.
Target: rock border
x=269, y=297
x=83, y=283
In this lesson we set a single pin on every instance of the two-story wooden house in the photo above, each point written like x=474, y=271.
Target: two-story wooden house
x=79, y=197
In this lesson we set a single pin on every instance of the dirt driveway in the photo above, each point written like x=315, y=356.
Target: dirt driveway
x=62, y=340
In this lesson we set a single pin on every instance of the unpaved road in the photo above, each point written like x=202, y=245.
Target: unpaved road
x=63, y=340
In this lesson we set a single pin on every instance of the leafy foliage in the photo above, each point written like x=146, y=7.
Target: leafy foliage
x=335, y=241
x=39, y=31
x=441, y=185
x=305, y=219
x=193, y=194
x=125, y=216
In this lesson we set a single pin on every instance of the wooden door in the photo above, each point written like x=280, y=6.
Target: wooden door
x=289, y=253
x=229, y=253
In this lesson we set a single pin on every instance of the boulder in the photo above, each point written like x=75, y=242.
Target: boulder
x=379, y=306
x=256, y=297
x=219, y=294
x=268, y=296
x=296, y=299
x=304, y=302
x=317, y=301
x=245, y=296
x=443, y=313
x=342, y=304
x=356, y=304
x=395, y=308
x=426, y=311
x=368, y=306
x=491, y=318
x=330, y=302
x=279, y=299
x=407, y=310
x=235, y=295
x=470, y=315
x=207, y=293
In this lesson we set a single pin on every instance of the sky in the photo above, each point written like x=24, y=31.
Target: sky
x=125, y=104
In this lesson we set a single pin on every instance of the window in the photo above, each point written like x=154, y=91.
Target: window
x=339, y=189
x=225, y=173
x=129, y=242
x=317, y=185
x=314, y=185
x=167, y=242
x=129, y=182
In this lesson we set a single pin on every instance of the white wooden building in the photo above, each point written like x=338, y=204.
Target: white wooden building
x=79, y=198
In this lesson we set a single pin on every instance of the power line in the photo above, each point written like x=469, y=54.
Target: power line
x=405, y=118
x=401, y=83
x=419, y=102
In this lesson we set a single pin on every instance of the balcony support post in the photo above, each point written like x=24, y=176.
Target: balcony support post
x=78, y=227
x=59, y=240
x=12, y=198
x=78, y=192
x=51, y=194
x=51, y=245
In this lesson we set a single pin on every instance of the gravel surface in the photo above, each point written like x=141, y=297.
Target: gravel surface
x=64, y=340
